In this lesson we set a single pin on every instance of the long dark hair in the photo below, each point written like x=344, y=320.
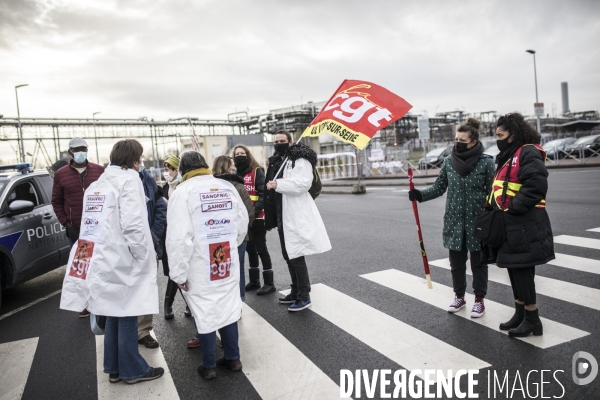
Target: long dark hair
x=521, y=131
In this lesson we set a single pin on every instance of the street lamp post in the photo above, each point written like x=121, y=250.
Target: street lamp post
x=536, y=89
x=96, y=137
x=20, y=128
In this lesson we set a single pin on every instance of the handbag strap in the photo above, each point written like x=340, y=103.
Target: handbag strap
x=505, y=184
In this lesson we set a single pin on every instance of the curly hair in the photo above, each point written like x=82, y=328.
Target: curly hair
x=521, y=131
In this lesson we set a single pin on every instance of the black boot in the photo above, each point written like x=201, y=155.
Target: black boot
x=169, y=298
x=516, y=319
x=268, y=287
x=254, y=274
x=531, y=324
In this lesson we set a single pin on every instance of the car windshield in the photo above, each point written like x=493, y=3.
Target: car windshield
x=585, y=140
x=436, y=152
x=553, y=143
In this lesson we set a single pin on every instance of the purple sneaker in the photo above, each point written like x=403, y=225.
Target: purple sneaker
x=459, y=302
x=478, y=308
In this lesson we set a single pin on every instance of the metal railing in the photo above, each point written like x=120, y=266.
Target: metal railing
x=582, y=154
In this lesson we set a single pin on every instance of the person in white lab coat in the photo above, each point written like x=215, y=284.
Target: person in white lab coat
x=112, y=267
x=290, y=208
x=211, y=223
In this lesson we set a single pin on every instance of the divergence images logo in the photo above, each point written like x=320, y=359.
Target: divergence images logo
x=581, y=367
x=212, y=222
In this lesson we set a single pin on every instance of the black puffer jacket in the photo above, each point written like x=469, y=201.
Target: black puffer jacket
x=529, y=239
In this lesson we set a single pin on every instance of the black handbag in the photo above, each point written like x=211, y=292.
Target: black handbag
x=489, y=225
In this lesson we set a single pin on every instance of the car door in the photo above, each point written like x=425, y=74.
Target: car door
x=36, y=249
x=46, y=183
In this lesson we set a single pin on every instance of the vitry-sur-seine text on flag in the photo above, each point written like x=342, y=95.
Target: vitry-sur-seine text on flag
x=356, y=111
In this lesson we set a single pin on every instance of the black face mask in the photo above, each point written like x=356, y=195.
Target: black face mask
x=503, y=144
x=281, y=148
x=461, y=147
x=240, y=162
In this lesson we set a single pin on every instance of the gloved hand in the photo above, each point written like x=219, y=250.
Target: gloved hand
x=415, y=195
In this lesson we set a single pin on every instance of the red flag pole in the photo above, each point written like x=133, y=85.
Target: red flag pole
x=416, y=211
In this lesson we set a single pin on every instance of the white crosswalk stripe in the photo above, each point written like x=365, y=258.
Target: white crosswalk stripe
x=15, y=363
x=577, y=263
x=495, y=313
x=566, y=291
x=410, y=347
x=594, y=230
x=162, y=388
x=272, y=356
x=578, y=241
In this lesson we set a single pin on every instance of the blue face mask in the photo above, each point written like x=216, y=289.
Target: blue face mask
x=179, y=177
x=80, y=157
x=142, y=167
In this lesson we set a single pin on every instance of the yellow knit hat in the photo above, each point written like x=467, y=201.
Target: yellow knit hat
x=173, y=161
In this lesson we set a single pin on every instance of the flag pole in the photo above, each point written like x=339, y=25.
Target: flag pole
x=416, y=212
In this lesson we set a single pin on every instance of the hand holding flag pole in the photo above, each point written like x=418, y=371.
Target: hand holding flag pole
x=416, y=211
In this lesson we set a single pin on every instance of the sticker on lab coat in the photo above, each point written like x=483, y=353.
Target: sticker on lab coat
x=95, y=222
x=216, y=216
x=81, y=262
x=220, y=260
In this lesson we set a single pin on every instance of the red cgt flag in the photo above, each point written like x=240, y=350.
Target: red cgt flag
x=356, y=111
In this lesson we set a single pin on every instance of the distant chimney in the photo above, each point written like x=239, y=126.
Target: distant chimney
x=564, y=87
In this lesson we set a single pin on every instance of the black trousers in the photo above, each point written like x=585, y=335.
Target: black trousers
x=458, y=267
x=298, y=271
x=257, y=246
x=522, y=281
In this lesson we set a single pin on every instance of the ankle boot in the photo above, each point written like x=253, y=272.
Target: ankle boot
x=254, y=274
x=531, y=324
x=268, y=287
x=516, y=319
x=169, y=298
x=169, y=308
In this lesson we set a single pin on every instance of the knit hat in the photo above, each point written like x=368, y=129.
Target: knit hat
x=173, y=161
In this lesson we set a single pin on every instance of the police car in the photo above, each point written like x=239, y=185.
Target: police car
x=32, y=241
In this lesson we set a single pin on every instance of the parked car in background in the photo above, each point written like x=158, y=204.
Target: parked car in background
x=434, y=158
x=493, y=150
x=555, y=148
x=585, y=146
x=32, y=241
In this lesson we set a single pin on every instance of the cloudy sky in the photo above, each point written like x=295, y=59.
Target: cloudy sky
x=166, y=59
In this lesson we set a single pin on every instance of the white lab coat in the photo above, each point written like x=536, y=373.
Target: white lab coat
x=303, y=228
x=118, y=277
x=198, y=225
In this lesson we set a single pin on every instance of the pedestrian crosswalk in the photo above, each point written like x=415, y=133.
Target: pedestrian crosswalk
x=554, y=333
x=277, y=369
x=578, y=241
x=409, y=347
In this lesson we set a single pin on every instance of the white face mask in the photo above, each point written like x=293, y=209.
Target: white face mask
x=80, y=157
x=167, y=176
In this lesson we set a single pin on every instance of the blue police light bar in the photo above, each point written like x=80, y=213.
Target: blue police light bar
x=19, y=167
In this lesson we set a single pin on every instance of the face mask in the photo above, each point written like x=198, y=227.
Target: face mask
x=167, y=176
x=281, y=148
x=461, y=147
x=503, y=144
x=142, y=167
x=240, y=162
x=80, y=157
x=179, y=177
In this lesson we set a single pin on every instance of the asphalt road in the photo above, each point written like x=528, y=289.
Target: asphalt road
x=369, y=233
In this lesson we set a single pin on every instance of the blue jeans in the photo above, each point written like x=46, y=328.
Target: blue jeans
x=241, y=255
x=121, y=354
x=229, y=338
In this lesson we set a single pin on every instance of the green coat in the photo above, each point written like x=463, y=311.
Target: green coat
x=465, y=200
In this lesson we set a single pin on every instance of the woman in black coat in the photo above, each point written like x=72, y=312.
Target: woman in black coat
x=529, y=240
